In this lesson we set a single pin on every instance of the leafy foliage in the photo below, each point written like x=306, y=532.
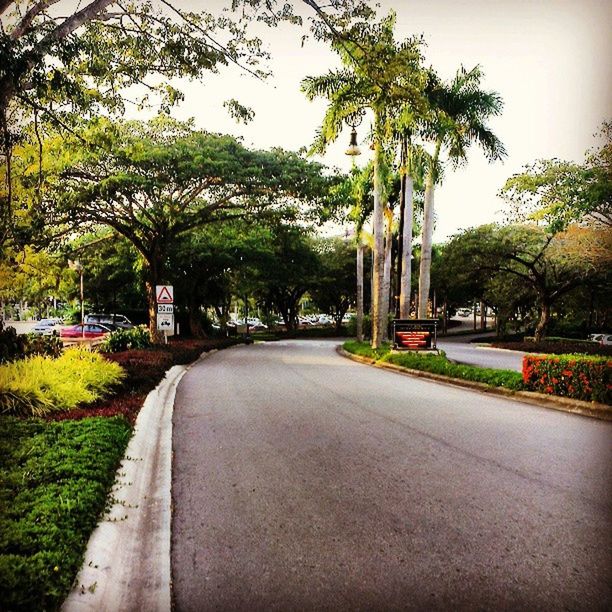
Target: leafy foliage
x=560, y=193
x=39, y=385
x=14, y=346
x=578, y=376
x=125, y=339
x=335, y=288
x=54, y=479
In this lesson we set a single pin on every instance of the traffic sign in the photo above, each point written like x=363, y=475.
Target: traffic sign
x=164, y=294
x=165, y=308
x=165, y=323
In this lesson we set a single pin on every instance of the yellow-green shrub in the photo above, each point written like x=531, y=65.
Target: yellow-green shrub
x=39, y=385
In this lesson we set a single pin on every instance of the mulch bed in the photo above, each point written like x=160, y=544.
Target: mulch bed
x=556, y=347
x=144, y=368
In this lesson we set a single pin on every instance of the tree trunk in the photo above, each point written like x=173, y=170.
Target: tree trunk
x=359, y=290
x=483, y=315
x=153, y=277
x=540, y=329
x=378, y=251
x=386, y=288
x=195, y=322
x=406, y=259
x=427, y=233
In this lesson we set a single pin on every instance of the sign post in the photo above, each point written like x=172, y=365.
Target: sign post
x=164, y=296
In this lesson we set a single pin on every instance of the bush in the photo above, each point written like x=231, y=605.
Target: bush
x=14, y=346
x=51, y=346
x=578, y=376
x=39, y=385
x=126, y=339
x=54, y=481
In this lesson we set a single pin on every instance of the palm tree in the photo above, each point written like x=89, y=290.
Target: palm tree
x=413, y=161
x=459, y=115
x=378, y=75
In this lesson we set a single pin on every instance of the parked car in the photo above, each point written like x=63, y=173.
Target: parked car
x=47, y=327
x=91, y=330
x=603, y=339
x=117, y=320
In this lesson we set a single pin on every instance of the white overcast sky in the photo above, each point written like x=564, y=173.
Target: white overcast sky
x=551, y=60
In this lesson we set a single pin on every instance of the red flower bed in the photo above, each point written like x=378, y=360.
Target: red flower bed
x=577, y=376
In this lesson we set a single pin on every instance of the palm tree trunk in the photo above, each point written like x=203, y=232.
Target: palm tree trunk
x=386, y=290
x=427, y=234
x=359, y=289
x=426, y=242
x=406, y=261
x=378, y=251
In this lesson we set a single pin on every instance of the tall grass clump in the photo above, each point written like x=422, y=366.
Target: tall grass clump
x=39, y=385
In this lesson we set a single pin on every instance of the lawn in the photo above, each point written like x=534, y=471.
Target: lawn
x=54, y=482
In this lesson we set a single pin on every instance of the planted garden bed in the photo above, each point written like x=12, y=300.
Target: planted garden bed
x=438, y=364
x=55, y=477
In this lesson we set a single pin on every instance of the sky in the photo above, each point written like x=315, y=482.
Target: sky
x=551, y=61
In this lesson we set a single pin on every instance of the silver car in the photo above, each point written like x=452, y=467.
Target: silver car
x=47, y=327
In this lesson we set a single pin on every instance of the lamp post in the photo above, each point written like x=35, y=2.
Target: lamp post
x=354, y=121
x=353, y=150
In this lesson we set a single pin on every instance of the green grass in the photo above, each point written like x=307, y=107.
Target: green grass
x=39, y=385
x=438, y=364
x=54, y=481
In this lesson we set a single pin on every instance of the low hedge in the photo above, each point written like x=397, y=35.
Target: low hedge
x=438, y=364
x=54, y=482
x=581, y=377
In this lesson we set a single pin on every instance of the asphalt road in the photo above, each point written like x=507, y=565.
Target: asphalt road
x=459, y=349
x=305, y=481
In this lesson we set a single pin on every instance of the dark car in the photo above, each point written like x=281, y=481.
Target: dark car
x=89, y=330
x=117, y=320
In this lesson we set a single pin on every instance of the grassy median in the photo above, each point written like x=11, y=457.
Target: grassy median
x=437, y=364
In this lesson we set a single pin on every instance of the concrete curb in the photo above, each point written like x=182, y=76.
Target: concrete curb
x=589, y=409
x=127, y=561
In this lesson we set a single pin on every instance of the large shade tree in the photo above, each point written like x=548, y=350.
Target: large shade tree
x=559, y=193
x=153, y=182
x=550, y=265
x=61, y=60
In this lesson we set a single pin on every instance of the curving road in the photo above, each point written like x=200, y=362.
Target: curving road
x=459, y=349
x=304, y=481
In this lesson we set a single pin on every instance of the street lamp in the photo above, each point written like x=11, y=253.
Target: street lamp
x=354, y=121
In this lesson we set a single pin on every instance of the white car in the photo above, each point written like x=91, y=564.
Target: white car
x=47, y=327
x=604, y=339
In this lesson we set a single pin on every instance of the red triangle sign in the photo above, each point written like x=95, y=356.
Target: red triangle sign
x=164, y=294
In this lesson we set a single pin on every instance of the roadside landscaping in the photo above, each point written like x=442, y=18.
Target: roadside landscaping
x=56, y=476
x=438, y=364
x=54, y=482
x=580, y=377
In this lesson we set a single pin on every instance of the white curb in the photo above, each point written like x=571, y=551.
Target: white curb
x=127, y=562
